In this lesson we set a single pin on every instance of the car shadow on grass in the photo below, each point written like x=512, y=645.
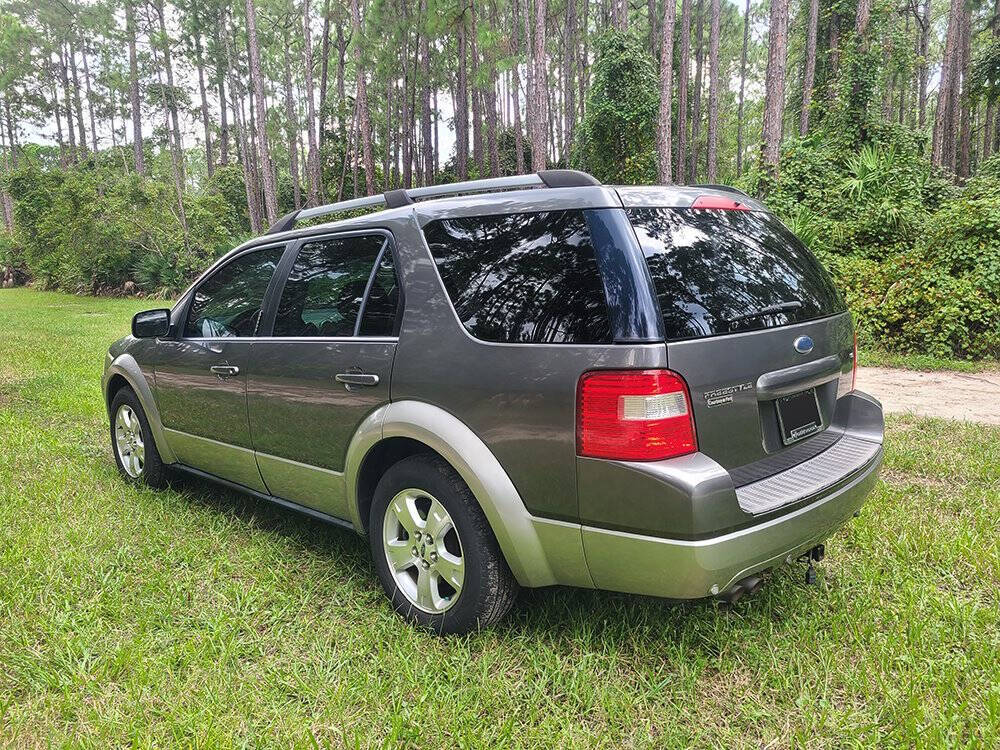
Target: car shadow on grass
x=559, y=614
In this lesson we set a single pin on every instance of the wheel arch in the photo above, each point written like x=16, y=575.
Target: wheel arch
x=408, y=427
x=124, y=372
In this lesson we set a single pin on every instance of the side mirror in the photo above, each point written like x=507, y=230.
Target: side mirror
x=151, y=324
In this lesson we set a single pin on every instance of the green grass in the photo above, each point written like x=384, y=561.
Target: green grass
x=195, y=616
x=926, y=362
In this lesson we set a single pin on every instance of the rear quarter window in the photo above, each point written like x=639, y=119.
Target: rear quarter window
x=718, y=272
x=522, y=278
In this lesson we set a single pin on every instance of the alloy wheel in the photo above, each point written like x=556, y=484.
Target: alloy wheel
x=423, y=550
x=128, y=441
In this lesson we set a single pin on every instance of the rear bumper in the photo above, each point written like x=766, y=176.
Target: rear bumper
x=680, y=569
x=690, y=569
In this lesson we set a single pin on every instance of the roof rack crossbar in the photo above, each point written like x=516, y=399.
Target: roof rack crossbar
x=397, y=198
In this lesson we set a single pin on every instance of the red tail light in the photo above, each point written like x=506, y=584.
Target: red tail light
x=634, y=415
x=719, y=203
x=854, y=362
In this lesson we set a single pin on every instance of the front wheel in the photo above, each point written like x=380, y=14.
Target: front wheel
x=132, y=442
x=435, y=553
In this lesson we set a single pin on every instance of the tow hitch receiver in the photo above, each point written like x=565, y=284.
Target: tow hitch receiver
x=816, y=554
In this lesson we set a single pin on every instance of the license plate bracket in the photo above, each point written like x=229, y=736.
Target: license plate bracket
x=798, y=415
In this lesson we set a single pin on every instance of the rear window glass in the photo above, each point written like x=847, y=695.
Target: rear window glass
x=719, y=272
x=523, y=278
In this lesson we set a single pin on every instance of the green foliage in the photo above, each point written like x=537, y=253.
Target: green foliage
x=617, y=137
x=92, y=228
x=917, y=258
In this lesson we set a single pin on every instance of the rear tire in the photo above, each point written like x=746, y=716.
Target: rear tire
x=435, y=553
x=132, y=442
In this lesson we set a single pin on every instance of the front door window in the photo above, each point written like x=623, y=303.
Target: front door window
x=228, y=303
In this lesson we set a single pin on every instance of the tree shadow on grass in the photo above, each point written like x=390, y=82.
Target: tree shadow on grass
x=565, y=618
x=314, y=536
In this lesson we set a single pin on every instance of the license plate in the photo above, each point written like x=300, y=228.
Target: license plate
x=798, y=415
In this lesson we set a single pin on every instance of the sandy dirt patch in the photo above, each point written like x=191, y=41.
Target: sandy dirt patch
x=969, y=396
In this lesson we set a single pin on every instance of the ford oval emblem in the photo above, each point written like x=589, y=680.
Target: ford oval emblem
x=803, y=344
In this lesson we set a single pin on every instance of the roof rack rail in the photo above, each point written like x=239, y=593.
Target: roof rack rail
x=725, y=188
x=549, y=178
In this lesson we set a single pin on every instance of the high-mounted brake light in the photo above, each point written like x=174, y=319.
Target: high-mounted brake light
x=634, y=415
x=719, y=203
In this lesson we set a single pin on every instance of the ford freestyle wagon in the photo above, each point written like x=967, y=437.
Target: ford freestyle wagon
x=523, y=381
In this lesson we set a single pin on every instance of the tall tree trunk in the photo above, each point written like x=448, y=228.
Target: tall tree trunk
x=324, y=74
x=313, y=175
x=341, y=94
x=539, y=137
x=989, y=128
x=619, y=14
x=584, y=57
x=220, y=76
x=59, y=133
x=663, y=145
x=699, y=60
x=516, y=86
x=250, y=184
x=740, y=126
x=570, y=69
x=133, y=90
x=833, y=64
x=774, y=90
x=943, y=149
x=364, y=118
x=260, y=108
x=90, y=99
x=683, y=70
x=407, y=116
x=809, y=75
x=205, y=122
x=68, y=103
x=172, y=101
x=426, y=131
x=478, y=154
x=291, y=126
x=713, y=90
x=925, y=34
x=965, y=114
x=462, y=103
x=77, y=98
x=174, y=156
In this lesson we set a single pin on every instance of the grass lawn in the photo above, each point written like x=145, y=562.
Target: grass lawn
x=926, y=362
x=195, y=616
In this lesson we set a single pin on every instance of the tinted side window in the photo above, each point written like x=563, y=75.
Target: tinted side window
x=228, y=302
x=719, y=272
x=523, y=278
x=382, y=310
x=323, y=294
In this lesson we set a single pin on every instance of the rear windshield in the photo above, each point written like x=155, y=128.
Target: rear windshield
x=523, y=278
x=719, y=272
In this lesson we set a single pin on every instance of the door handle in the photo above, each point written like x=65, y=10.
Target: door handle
x=356, y=378
x=225, y=371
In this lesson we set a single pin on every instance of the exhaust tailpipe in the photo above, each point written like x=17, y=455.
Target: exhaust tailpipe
x=745, y=586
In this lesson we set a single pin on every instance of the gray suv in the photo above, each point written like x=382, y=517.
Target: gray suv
x=523, y=381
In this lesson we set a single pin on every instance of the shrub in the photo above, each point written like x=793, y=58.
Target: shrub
x=91, y=228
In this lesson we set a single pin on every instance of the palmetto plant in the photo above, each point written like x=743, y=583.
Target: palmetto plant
x=881, y=180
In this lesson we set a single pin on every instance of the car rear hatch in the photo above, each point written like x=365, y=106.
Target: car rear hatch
x=753, y=323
